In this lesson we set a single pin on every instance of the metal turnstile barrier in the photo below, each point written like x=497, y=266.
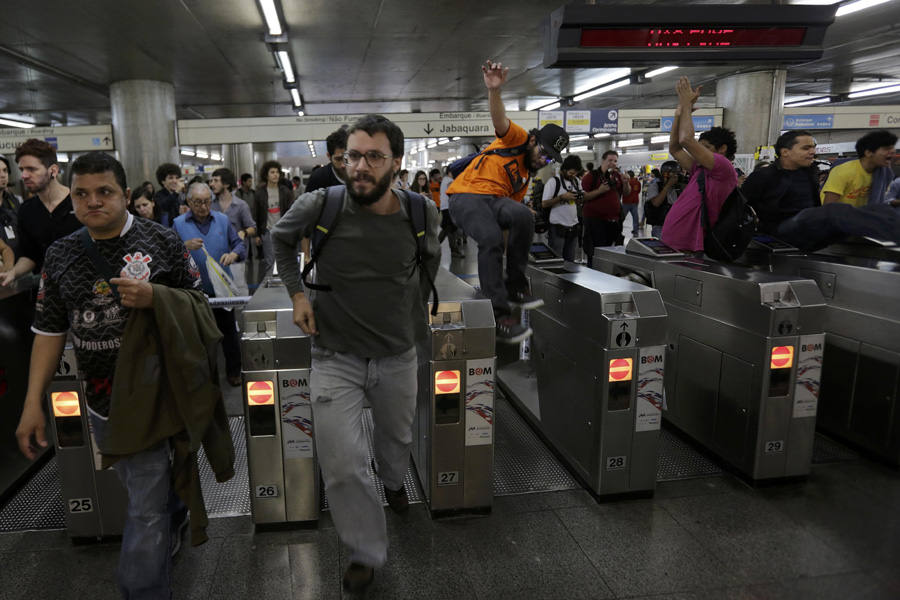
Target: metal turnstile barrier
x=94, y=499
x=861, y=375
x=281, y=459
x=598, y=354
x=453, y=432
x=743, y=358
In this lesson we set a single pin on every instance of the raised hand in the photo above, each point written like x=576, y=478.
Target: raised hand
x=494, y=75
x=686, y=95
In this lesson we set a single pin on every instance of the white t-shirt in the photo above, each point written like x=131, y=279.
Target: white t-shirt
x=564, y=213
x=445, y=199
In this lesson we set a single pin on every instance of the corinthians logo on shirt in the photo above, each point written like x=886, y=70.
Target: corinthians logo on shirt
x=136, y=266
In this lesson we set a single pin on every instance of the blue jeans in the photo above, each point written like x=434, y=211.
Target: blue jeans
x=340, y=382
x=633, y=209
x=144, y=560
x=815, y=228
x=484, y=218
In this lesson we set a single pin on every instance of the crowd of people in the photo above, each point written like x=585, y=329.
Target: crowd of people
x=106, y=253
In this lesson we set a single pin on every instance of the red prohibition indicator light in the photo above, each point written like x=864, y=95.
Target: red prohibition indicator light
x=260, y=393
x=782, y=357
x=446, y=382
x=65, y=404
x=620, y=369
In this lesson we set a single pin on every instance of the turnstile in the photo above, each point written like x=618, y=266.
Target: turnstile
x=861, y=376
x=743, y=359
x=598, y=354
x=453, y=432
x=281, y=458
x=94, y=499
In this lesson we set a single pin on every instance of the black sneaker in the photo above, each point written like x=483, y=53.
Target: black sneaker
x=511, y=331
x=525, y=299
x=357, y=578
x=397, y=500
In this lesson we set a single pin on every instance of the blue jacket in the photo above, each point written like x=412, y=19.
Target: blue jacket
x=220, y=240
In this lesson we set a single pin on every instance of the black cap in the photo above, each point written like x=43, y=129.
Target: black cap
x=553, y=139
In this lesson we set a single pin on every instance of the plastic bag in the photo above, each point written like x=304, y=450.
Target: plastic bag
x=223, y=284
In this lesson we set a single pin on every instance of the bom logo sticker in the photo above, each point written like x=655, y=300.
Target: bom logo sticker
x=294, y=383
x=480, y=371
x=810, y=347
x=646, y=360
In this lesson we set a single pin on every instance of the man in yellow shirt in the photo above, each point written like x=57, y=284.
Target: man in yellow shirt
x=866, y=180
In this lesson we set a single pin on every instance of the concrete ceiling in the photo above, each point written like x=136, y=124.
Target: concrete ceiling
x=57, y=58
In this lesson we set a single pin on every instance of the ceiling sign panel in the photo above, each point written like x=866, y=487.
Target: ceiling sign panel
x=842, y=117
x=77, y=138
x=317, y=127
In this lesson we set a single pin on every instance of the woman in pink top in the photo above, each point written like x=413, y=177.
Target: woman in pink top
x=713, y=153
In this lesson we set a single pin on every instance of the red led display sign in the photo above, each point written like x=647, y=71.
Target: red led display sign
x=717, y=37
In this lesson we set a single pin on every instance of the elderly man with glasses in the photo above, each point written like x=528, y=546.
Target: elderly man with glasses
x=486, y=200
x=210, y=232
x=364, y=332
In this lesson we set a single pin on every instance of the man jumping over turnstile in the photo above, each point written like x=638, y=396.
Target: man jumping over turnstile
x=364, y=332
x=486, y=200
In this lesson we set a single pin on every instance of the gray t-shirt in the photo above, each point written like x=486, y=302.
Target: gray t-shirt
x=274, y=209
x=376, y=307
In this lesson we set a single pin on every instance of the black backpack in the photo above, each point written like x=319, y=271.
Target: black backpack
x=459, y=165
x=729, y=237
x=328, y=220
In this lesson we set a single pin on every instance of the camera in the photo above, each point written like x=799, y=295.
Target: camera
x=579, y=194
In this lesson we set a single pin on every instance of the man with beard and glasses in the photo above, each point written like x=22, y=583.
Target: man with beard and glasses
x=364, y=334
x=46, y=216
x=486, y=199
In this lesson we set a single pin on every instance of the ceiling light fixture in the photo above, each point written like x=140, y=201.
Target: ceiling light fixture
x=19, y=124
x=295, y=94
x=629, y=143
x=270, y=14
x=659, y=71
x=852, y=7
x=602, y=90
x=188, y=152
x=284, y=60
x=202, y=154
x=601, y=135
x=810, y=102
x=574, y=149
x=659, y=139
x=875, y=92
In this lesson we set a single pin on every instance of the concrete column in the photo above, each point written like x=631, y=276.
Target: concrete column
x=753, y=105
x=143, y=118
x=601, y=146
x=239, y=158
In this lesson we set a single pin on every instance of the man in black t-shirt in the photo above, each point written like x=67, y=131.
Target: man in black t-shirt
x=336, y=172
x=787, y=186
x=46, y=216
x=74, y=297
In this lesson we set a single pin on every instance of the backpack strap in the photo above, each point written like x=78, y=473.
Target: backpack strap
x=704, y=214
x=415, y=204
x=514, y=151
x=100, y=263
x=328, y=217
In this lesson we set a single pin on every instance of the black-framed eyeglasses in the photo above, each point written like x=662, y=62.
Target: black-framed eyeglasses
x=201, y=202
x=374, y=158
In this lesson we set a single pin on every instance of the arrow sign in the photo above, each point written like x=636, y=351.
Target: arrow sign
x=623, y=326
x=106, y=140
x=428, y=128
